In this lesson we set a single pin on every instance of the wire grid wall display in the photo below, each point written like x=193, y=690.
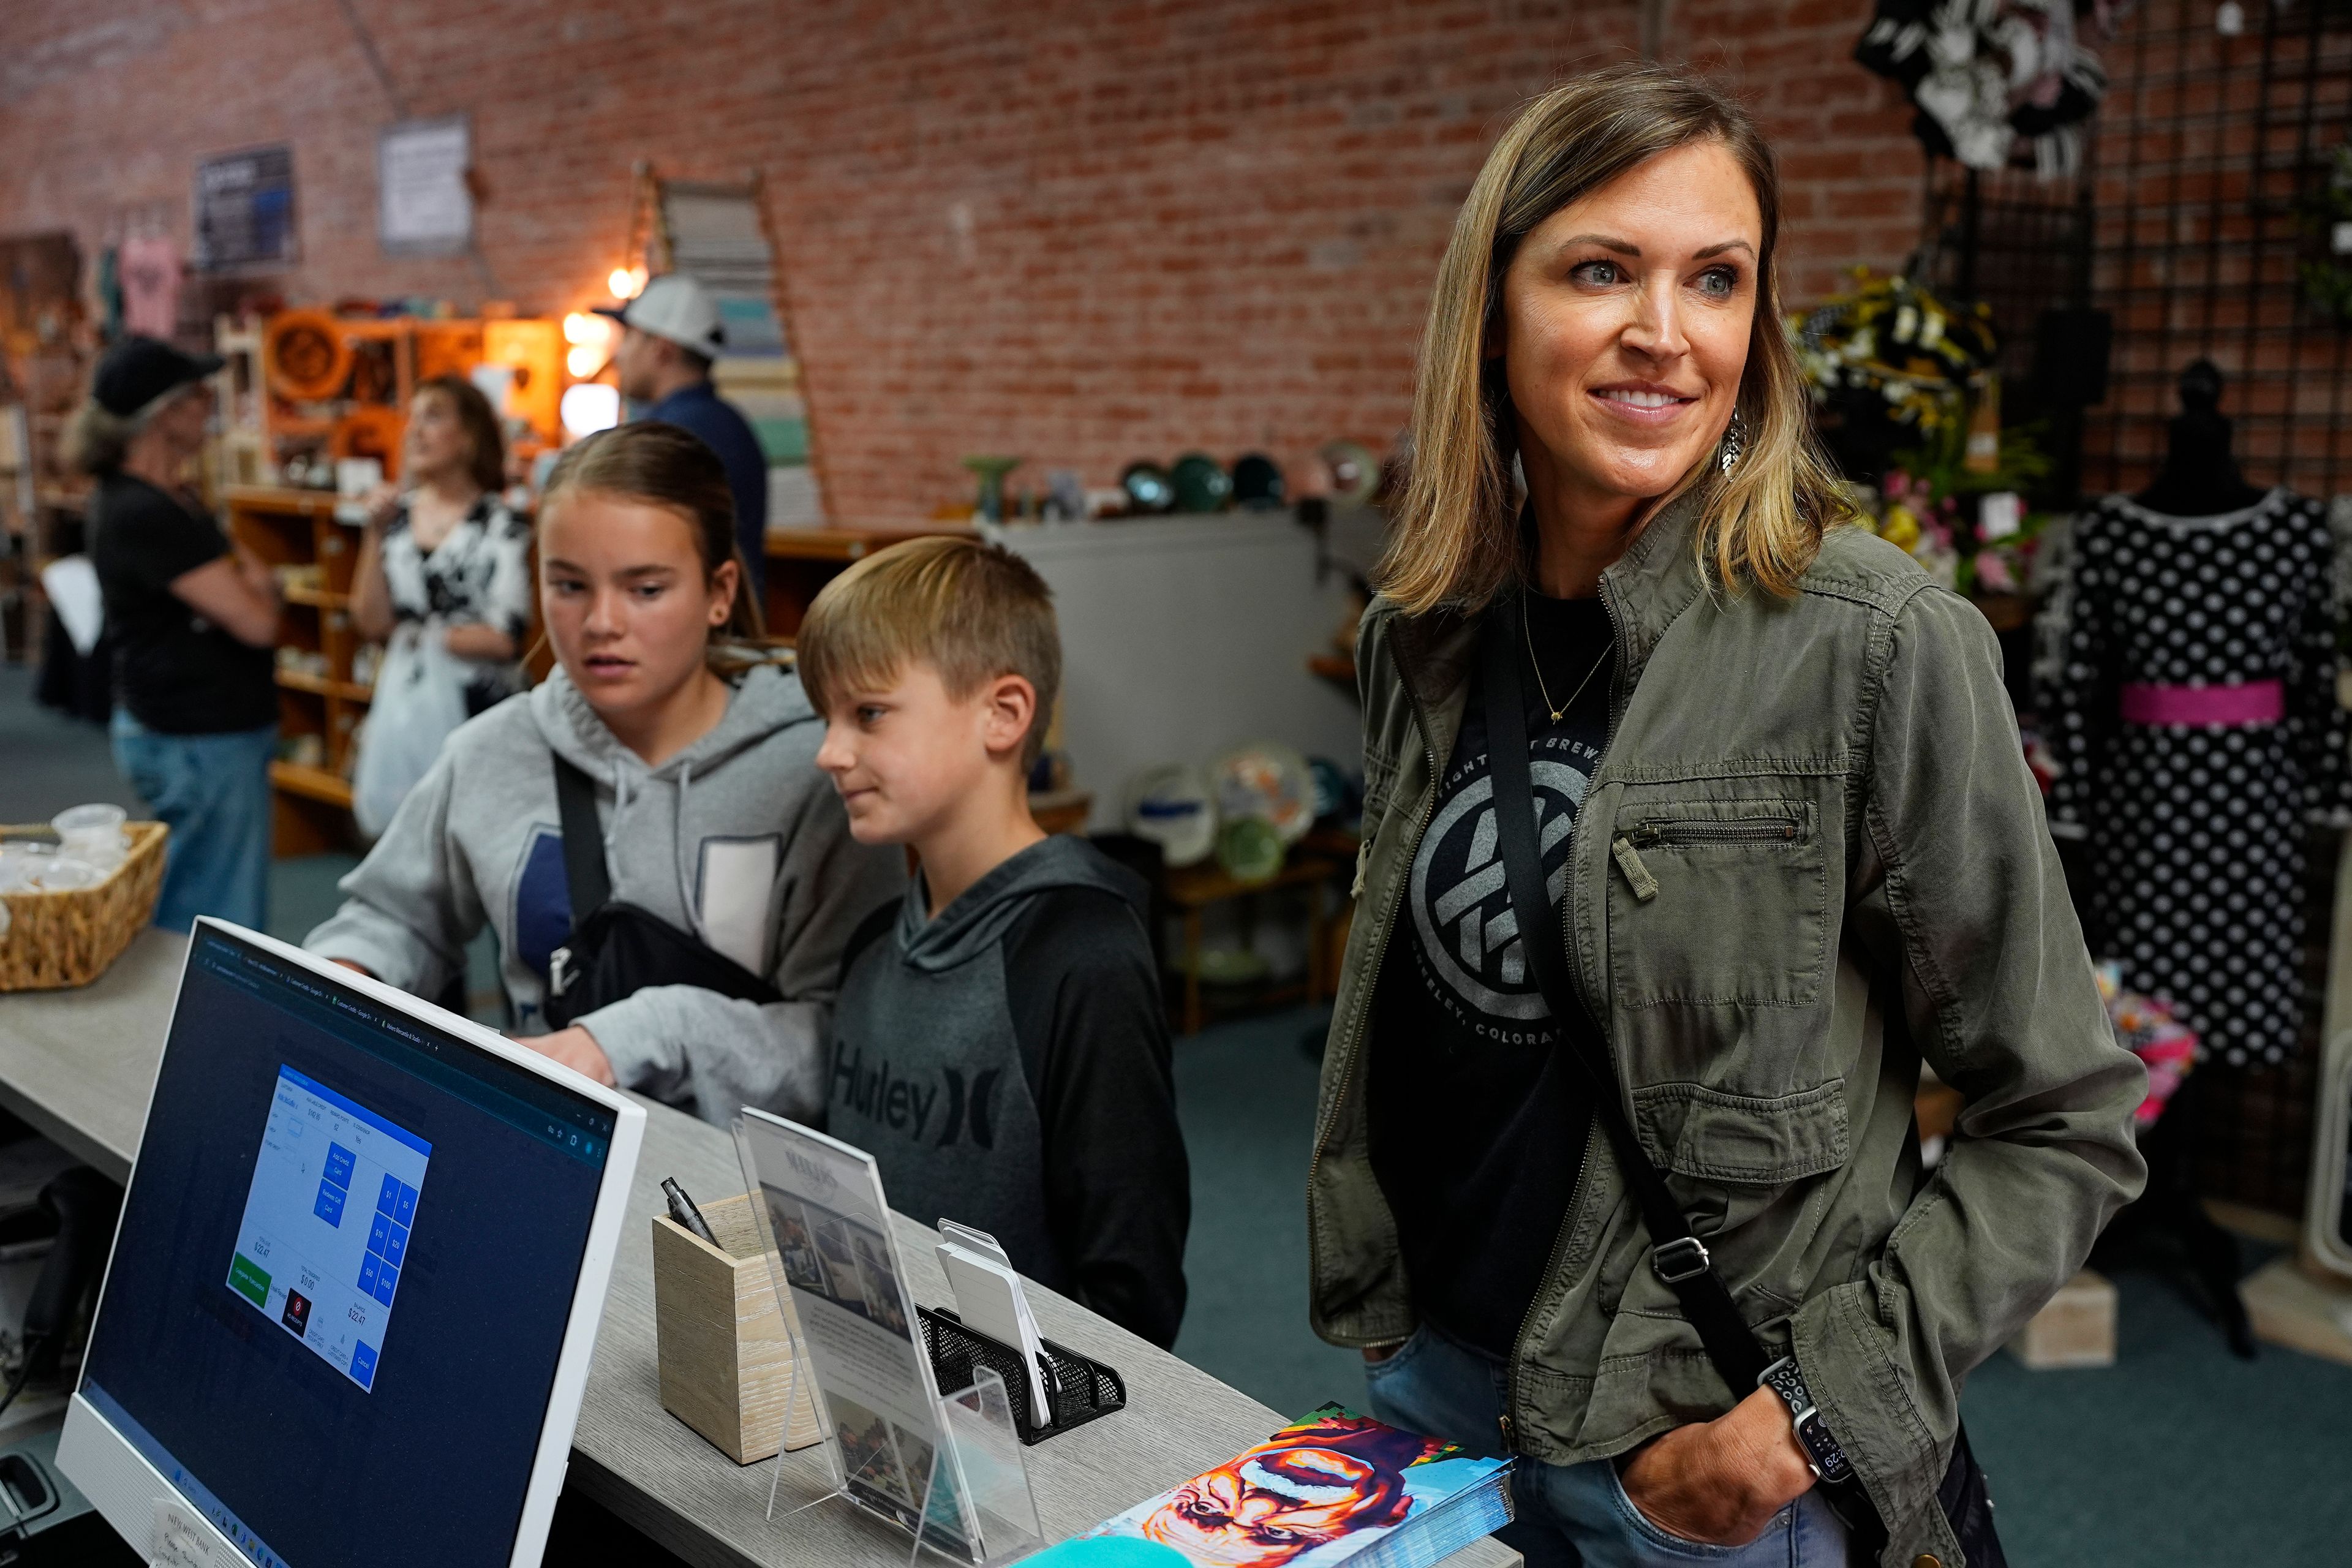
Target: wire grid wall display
x=2210, y=215
x=2022, y=245
x=2209, y=218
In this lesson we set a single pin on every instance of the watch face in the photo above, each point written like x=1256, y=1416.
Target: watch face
x=1829, y=1459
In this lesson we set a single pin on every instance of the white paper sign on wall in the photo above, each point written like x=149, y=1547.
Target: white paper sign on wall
x=424, y=206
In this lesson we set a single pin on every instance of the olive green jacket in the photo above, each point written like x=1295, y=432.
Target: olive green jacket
x=1812, y=855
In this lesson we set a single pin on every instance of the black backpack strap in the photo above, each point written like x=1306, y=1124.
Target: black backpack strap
x=1679, y=1257
x=866, y=933
x=584, y=842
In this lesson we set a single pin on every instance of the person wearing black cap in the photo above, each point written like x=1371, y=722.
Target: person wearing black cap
x=669, y=334
x=192, y=617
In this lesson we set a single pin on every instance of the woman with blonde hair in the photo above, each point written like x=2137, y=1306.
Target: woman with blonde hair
x=1694, y=823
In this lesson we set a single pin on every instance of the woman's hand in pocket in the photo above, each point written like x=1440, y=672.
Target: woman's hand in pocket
x=1721, y=1481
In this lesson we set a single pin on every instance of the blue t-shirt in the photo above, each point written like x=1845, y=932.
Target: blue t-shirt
x=699, y=409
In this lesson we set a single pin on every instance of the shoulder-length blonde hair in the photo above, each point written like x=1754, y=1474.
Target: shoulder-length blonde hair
x=1457, y=540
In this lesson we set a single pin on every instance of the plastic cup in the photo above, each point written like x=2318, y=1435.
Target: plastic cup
x=87, y=819
x=64, y=874
x=20, y=867
x=92, y=833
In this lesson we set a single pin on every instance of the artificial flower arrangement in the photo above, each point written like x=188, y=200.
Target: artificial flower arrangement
x=2145, y=1025
x=1898, y=375
x=1892, y=342
x=1926, y=504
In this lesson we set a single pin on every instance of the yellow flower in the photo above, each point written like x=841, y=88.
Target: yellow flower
x=1899, y=529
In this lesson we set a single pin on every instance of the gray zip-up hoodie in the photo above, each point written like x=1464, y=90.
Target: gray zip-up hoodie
x=737, y=839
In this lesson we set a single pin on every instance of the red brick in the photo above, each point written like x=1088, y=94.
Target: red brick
x=1203, y=224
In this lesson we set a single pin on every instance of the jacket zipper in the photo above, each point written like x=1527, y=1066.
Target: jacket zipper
x=1354, y=1039
x=1618, y=697
x=1627, y=848
x=1685, y=831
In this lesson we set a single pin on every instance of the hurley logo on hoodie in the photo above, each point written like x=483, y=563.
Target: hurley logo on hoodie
x=914, y=1106
x=928, y=1074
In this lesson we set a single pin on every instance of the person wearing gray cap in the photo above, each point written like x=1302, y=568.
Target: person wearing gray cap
x=192, y=618
x=670, y=333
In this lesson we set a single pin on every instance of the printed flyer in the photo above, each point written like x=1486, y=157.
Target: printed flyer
x=832, y=1226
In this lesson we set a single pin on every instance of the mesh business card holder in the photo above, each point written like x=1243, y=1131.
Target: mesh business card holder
x=1077, y=1388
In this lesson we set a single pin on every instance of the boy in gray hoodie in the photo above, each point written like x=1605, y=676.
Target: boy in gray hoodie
x=1000, y=1046
x=733, y=836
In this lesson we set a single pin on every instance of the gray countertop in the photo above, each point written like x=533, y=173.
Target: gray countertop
x=80, y=1066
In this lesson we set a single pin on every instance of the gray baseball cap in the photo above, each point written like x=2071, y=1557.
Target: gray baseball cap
x=675, y=307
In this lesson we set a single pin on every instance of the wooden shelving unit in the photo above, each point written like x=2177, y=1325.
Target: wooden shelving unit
x=801, y=561
x=310, y=792
x=310, y=784
x=264, y=426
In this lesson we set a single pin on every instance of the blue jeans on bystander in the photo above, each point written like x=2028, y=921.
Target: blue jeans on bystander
x=1572, y=1516
x=213, y=792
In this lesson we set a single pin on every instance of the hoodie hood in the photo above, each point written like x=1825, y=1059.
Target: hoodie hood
x=765, y=701
x=980, y=916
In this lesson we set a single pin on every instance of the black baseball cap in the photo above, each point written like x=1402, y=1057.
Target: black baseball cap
x=137, y=371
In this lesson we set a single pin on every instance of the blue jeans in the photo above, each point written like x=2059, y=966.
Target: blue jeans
x=1572, y=1516
x=213, y=792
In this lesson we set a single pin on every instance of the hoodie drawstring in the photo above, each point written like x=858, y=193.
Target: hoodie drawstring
x=684, y=883
x=620, y=804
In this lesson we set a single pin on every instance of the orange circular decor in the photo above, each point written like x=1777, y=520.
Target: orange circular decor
x=371, y=432
x=308, y=360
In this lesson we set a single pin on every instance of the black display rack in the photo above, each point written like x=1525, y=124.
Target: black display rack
x=1079, y=1388
x=2216, y=153
x=2200, y=203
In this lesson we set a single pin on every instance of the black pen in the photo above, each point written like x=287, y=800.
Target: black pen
x=682, y=1209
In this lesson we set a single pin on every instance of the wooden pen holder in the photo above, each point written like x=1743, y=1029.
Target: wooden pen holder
x=726, y=1356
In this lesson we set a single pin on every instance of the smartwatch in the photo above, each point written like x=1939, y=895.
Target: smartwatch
x=1822, y=1451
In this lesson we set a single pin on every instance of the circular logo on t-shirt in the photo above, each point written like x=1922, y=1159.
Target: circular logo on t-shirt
x=1461, y=904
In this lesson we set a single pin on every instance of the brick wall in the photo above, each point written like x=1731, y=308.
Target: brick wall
x=1082, y=230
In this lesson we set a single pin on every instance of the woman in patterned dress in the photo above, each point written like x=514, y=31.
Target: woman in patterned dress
x=443, y=563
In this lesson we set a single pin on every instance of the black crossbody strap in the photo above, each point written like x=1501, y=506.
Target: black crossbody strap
x=584, y=842
x=1679, y=1257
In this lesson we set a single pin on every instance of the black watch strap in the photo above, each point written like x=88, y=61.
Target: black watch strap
x=1822, y=1451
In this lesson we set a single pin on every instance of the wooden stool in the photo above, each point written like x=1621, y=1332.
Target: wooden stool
x=1192, y=888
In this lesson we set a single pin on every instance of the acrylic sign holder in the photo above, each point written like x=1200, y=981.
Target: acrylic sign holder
x=959, y=1491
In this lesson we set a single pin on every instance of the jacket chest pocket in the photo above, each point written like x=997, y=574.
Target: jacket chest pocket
x=1717, y=902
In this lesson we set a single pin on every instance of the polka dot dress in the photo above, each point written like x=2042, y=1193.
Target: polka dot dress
x=2196, y=832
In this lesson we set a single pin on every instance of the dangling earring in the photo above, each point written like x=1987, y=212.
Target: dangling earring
x=1735, y=439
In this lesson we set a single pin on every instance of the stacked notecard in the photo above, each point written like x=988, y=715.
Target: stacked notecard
x=1333, y=1488
x=990, y=1300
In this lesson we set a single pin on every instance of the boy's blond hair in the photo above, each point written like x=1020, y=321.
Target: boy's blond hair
x=973, y=611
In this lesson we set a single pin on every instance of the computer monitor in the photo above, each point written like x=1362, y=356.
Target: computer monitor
x=356, y=1284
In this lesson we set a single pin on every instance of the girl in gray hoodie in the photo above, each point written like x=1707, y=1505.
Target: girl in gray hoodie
x=713, y=815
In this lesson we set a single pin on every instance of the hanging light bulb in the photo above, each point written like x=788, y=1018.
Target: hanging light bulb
x=627, y=282
x=589, y=408
x=580, y=327
x=584, y=359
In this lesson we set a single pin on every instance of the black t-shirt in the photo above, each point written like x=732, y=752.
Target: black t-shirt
x=176, y=671
x=1479, y=1117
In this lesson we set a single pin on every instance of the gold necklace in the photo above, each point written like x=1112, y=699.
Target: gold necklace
x=1529, y=638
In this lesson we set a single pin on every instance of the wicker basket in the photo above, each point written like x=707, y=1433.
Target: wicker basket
x=56, y=939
